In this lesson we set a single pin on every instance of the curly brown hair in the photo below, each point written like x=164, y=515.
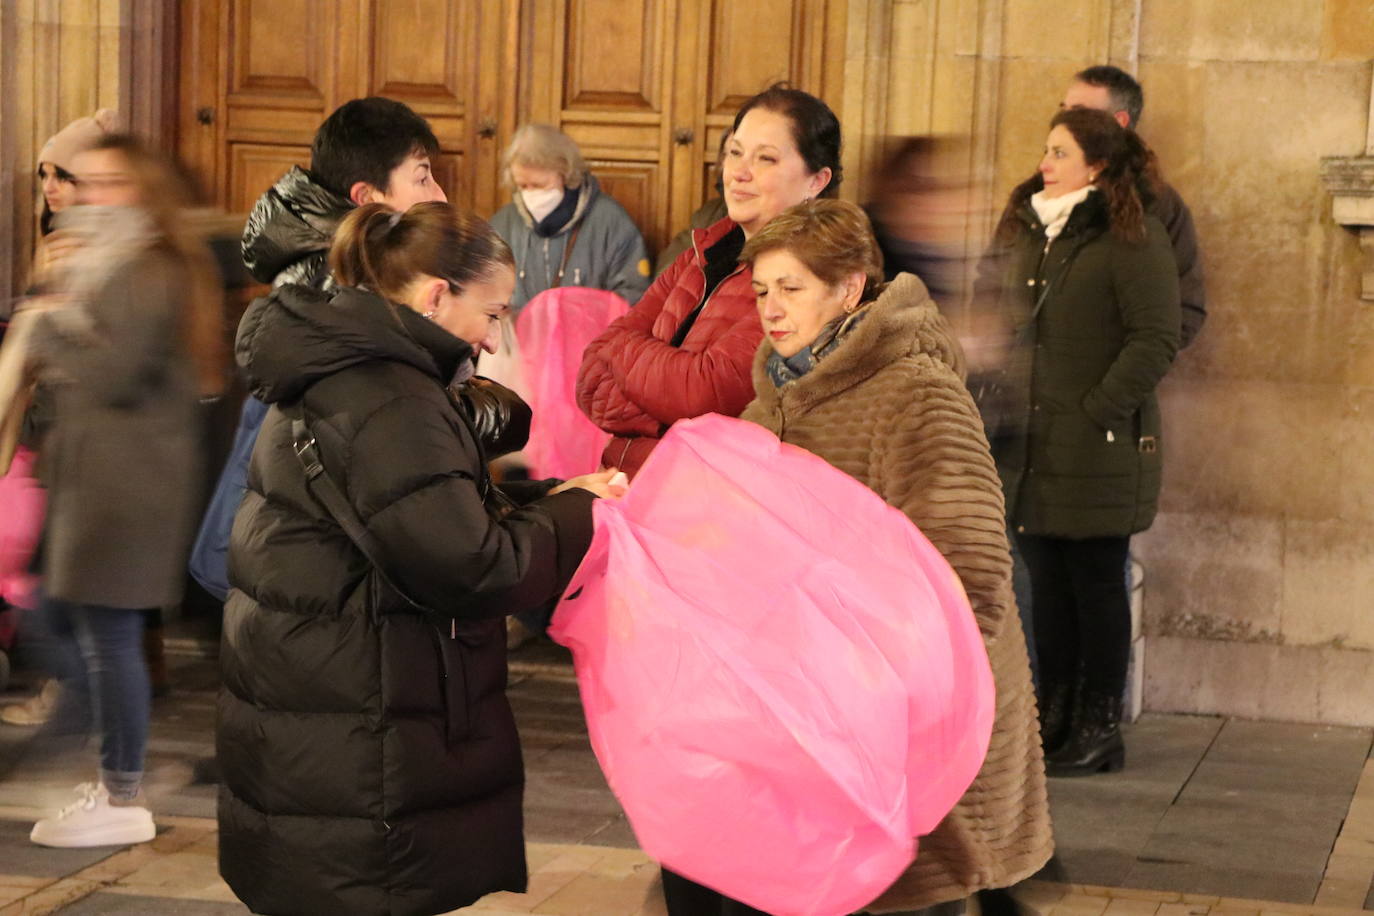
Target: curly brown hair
x=1128, y=178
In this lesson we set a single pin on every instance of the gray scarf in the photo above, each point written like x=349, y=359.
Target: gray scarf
x=788, y=369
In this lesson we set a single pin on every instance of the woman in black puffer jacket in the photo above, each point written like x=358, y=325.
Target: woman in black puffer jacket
x=370, y=760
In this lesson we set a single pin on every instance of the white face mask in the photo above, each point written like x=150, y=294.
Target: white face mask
x=542, y=202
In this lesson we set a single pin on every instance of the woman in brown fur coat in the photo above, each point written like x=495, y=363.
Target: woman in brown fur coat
x=870, y=379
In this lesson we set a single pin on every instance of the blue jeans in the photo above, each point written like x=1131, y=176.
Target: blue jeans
x=96, y=653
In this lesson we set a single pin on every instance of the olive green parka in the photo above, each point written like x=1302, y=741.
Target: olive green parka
x=1084, y=458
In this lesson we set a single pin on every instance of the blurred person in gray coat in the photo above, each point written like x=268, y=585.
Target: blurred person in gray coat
x=127, y=340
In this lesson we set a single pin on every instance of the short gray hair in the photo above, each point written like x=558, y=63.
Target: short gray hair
x=540, y=146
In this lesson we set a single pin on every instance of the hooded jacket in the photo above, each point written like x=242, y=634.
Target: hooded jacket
x=609, y=252
x=370, y=759
x=288, y=234
x=634, y=383
x=888, y=408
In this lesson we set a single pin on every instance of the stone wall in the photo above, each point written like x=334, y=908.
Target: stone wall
x=1259, y=596
x=61, y=60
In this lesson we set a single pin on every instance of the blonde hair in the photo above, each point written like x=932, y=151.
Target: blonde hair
x=384, y=250
x=539, y=146
x=832, y=237
x=165, y=195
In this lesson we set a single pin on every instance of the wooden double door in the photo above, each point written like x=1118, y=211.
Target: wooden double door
x=645, y=88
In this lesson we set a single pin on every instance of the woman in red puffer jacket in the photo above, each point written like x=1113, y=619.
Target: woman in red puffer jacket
x=686, y=349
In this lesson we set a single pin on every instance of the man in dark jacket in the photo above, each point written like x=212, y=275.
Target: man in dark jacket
x=371, y=150
x=1116, y=92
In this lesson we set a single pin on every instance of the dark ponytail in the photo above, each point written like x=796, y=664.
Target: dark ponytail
x=385, y=250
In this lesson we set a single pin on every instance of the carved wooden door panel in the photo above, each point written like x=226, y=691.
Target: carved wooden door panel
x=443, y=58
x=258, y=77
x=602, y=70
x=646, y=88
x=747, y=47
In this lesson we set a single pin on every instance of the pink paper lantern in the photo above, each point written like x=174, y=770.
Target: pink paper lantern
x=553, y=331
x=783, y=680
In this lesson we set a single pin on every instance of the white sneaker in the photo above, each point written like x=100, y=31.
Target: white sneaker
x=92, y=821
x=37, y=709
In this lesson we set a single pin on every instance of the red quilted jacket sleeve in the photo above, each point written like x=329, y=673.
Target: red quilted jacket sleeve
x=634, y=381
x=597, y=392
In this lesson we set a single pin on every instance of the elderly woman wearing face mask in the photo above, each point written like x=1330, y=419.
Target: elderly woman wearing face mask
x=564, y=230
x=869, y=377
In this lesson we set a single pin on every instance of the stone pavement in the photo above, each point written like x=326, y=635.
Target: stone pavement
x=1211, y=816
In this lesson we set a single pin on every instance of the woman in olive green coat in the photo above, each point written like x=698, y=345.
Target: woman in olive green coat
x=1092, y=279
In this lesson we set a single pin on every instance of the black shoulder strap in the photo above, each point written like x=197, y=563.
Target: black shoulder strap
x=328, y=495
x=567, y=252
x=1045, y=292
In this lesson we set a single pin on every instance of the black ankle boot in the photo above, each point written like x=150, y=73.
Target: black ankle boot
x=1094, y=744
x=1056, y=706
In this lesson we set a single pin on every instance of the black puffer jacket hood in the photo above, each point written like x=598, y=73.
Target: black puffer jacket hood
x=288, y=234
x=298, y=335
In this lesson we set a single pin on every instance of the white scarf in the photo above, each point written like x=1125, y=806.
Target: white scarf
x=111, y=238
x=1054, y=211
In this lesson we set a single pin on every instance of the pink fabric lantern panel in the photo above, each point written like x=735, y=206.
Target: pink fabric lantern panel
x=783, y=680
x=553, y=331
x=22, y=503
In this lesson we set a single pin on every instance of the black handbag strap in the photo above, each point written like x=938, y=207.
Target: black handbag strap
x=567, y=252
x=327, y=494
x=1044, y=293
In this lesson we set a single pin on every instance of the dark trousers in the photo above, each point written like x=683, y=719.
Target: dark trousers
x=687, y=898
x=1082, y=610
